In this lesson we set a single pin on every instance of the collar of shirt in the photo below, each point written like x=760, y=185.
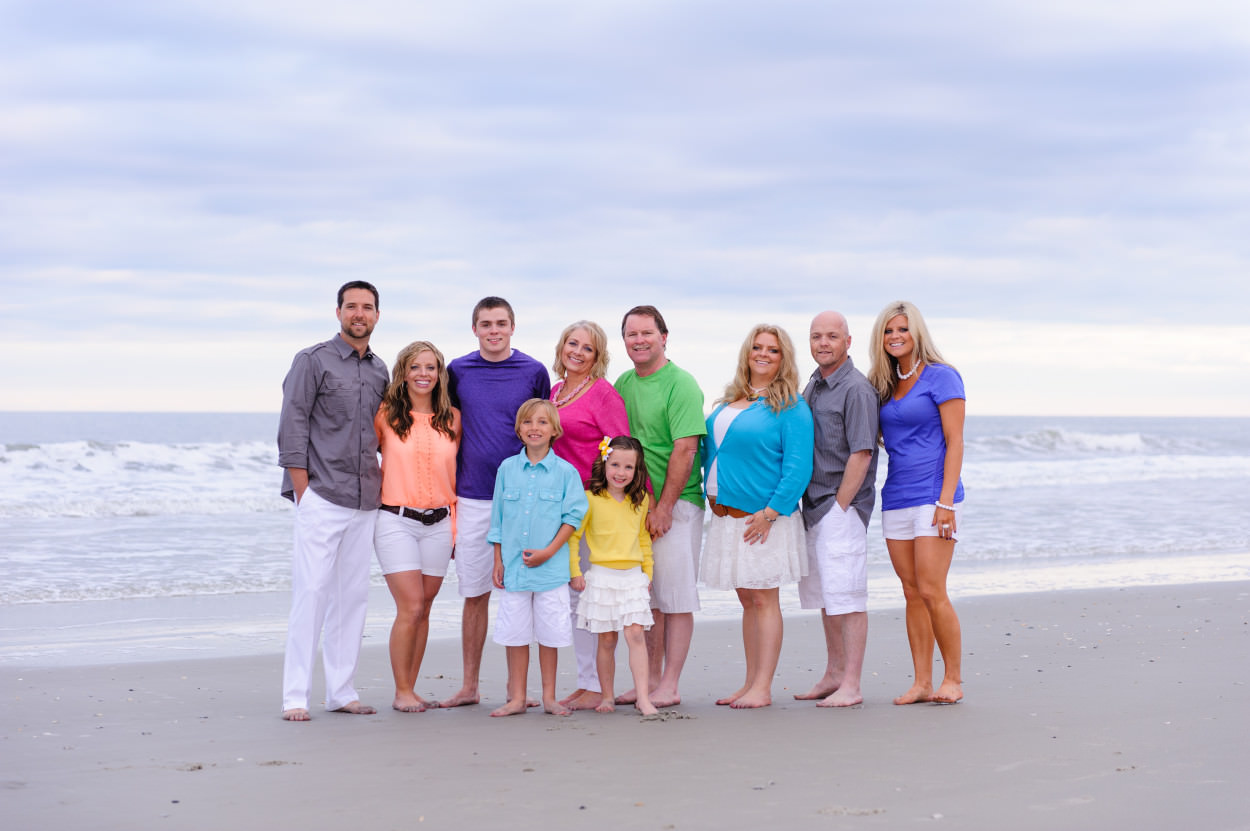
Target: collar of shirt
x=346, y=350
x=834, y=377
x=546, y=462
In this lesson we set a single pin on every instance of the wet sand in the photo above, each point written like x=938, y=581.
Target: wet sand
x=1083, y=709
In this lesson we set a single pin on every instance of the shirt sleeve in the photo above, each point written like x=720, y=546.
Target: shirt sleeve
x=299, y=391
x=861, y=420
x=575, y=564
x=573, y=510
x=947, y=384
x=685, y=416
x=495, y=534
x=644, y=539
x=610, y=417
x=797, y=445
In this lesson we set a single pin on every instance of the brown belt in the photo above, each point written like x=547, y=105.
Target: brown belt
x=725, y=510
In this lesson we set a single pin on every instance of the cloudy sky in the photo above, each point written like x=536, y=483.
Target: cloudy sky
x=1063, y=188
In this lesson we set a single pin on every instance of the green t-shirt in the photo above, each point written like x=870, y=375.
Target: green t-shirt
x=665, y=406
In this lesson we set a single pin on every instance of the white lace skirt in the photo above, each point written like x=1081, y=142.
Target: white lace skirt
x=614, y=598
x=730, y=563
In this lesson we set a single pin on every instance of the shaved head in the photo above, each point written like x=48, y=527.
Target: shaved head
x=830, y=340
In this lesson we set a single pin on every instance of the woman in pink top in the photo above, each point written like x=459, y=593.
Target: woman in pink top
x=590, y=408
x=418, y=435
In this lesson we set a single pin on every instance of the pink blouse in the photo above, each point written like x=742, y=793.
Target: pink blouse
x=599, y=412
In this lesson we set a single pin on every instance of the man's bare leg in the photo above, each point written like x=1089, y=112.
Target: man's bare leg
x=835, y=660
x=678, y=632
x=852, y=633
x=473, y=625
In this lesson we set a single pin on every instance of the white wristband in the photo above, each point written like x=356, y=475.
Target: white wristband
x=950, y=508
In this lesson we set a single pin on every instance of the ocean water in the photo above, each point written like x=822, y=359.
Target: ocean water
x=105, y=514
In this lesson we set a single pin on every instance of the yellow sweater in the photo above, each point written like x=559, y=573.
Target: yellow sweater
x=616, y=533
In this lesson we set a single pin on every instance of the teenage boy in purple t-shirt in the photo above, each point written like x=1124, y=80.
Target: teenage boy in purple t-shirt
x=488, y=386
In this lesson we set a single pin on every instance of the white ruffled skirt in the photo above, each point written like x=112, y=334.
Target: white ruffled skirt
x=729, y=562
x=614, y=598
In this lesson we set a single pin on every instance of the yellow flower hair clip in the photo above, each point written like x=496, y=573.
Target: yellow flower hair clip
x=604, y=448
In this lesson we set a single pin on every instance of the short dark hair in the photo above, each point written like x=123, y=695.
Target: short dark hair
x=493, y=303
x=359, y=284
x=650, y=311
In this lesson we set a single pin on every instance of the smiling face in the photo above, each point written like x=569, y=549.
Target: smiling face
x=829, y=342
x=357, y=315
x=896, y=338
x=493, y=328
x=422, y=374
x=619, y=470
x=765, y=359
x=536, y=431
x=578, y=354
x=644, y=343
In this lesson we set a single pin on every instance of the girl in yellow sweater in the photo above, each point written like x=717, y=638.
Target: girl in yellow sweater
x=616, y=589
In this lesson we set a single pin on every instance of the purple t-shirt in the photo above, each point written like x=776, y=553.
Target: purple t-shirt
x=912, y=430
x=488, y=394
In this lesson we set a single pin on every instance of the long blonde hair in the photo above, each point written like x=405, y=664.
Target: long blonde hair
x=883, y=369
x=397, y=403
x=783, y=391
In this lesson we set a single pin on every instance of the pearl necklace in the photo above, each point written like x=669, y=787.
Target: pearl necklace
x=899, y=369
x=566, y=399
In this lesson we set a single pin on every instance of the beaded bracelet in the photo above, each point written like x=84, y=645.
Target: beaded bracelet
x=950, y=508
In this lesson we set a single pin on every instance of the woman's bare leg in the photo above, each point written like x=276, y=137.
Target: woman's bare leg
x=767, y=646
x=933, y=563
x=919, y=629
x=408, y=590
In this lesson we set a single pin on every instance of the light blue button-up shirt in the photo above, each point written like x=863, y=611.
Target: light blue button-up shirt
x=531, y=502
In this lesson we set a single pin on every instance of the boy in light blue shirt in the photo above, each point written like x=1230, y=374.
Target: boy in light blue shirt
x=538, y=503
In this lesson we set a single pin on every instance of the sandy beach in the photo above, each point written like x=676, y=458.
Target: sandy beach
x=1084, y=709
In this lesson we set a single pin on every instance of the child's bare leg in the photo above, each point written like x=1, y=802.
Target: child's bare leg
x=639, y=666
x=605, y=664
x=547, y=658
x=518, y=674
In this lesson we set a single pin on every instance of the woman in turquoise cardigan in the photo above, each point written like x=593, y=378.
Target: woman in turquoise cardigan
x=757, y=458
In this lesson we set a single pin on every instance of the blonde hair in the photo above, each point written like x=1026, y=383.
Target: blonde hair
x=883, y=369
x=783, y=391
x=529, y=407
x=598, y=338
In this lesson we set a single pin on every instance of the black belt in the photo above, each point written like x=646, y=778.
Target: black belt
x=430, y=516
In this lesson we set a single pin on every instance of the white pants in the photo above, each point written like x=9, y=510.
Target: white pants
x=585, y=644
x=329, y=596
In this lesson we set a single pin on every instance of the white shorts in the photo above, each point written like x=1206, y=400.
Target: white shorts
x=525, y=617
x=916, y=521
x=674, y=585
x=837, y=564
x=475, y=557
x=404, y=544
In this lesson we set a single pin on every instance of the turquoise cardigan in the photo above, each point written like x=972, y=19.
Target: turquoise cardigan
x=765, y=459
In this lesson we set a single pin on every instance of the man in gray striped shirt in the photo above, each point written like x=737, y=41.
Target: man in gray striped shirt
x=836, y=508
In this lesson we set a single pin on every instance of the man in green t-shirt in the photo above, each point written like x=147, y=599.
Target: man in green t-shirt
x=665, y=408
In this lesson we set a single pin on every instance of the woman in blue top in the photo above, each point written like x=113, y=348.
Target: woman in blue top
x=922, y=425
x=757, y=459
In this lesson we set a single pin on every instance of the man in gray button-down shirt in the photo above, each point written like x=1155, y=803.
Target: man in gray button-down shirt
x=328, y=449
x=836, y=508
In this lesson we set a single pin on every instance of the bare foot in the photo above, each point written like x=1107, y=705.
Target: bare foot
x=533, y=702
x=752, y=700
x=463, y=697
x=296, y=714
x=627, y=697
x=355, y=708
x=512, y=708
x=589, y=701
x=662, y=700
x=730, y=699
x=823, y=688
x=646, y=708
x=555, y=708
x=917, y=694
x=409, y=703
x=949, y=693
x=571, y=699
x=841, y=698
x=606, y=705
